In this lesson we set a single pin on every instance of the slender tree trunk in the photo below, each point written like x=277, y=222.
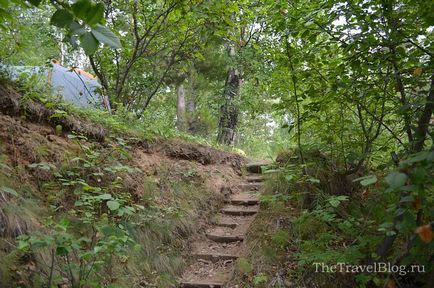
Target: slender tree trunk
x=229, y=110
x=391, y=23
x=297, y=104
x=192, y=121
x=62, y=49
x=180, y=108
x=424, y=119
x=403, y=99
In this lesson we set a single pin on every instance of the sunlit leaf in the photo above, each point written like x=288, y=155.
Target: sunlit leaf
x=104, y=35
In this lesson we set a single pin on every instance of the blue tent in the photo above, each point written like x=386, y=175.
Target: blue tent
x=73, y=85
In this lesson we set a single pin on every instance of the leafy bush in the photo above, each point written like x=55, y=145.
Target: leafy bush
x=92, y=234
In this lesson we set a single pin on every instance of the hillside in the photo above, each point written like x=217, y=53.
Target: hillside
x=122, y=208
x=87, y=203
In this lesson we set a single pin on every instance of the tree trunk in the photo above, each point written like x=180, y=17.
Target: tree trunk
x=403, y=99
x=424, y=119
x=192, y=121
x=191, y=104
x=180, y=108
x=229, y=110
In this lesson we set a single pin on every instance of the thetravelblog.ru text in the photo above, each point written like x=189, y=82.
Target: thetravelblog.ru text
x=378, y=267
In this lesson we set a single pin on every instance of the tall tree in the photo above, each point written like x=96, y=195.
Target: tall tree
x=245, y=21
x=229, y=109
x=157, y=37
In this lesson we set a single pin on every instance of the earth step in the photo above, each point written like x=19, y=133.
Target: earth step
x=254, y=178
x=212, y=251
x=207, y=274
x=225, y=234
x=255, y=186
x=240, y=210
x=243, y=199
x=203, y=284
x=256, y=167
x=231, y=221
x=215, y=257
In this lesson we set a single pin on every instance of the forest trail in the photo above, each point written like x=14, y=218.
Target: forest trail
x=214, y=252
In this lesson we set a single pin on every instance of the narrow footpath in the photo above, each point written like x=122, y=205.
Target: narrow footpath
x=215, y=252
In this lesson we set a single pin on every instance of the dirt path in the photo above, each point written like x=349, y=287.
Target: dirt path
x=214, y=253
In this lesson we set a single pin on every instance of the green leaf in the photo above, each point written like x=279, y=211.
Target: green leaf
x=408, y=198
x=63, y=224
x=105, y=196
x=260, y=278
x=104, y=35
x=5, y=15
x=312, y=38
x=95, y=14
x=113, y=205
x=289, y=178
x=37, y=243
x=336, y=200
x=9, y=190
x=35, y=2
x=42, y=166
x=76, y=28
x=23, y=245
x=58, y=114
x=61, y=18
x=421, y=156
x=4, y=3
x=73, y=40
x=396, y=179
x=62, y=251
x=314, y=180
x=367, y=180
x=81, y=8
x=89, y=43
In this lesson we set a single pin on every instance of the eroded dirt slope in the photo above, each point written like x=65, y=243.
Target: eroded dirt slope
x=173, y=175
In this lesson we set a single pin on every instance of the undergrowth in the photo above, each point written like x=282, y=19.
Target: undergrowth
x=94, y=219
x=301, y=228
